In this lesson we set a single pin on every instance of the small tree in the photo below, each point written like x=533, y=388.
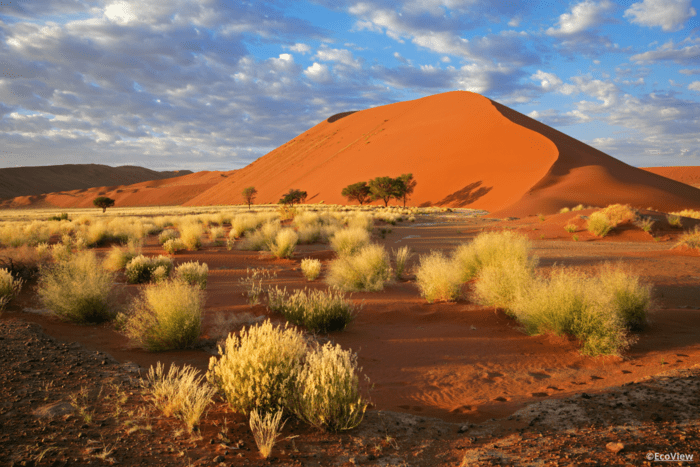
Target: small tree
x=249, y=195
x=404, y=187
x=103, y=202
x=383, y=188
x=293, y=196
x=357, y=192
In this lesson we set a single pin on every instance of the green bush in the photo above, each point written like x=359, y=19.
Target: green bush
x=141, y=268
x=368, y=270
x=674, y=220
x=599, y=224
x=258, y=369
x=327, y=390
x=317, y=310
x=625, y=294
x=78, y=289
x=166, y=316
x=193, y=273
x=438, y=277
x=349, y=241
x=502, y=284
x=9, y=287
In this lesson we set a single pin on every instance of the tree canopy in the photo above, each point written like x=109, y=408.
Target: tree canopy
x=359, y=192
x=404, y=187
x=103, y=202
x=293, y=196
x=249, y=195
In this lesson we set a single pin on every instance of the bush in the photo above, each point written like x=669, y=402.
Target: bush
x=690, y=239
x=9, y=287
x=438, y=277
x=599, y=224
x=645, y=223
x=284, y=244
x=243, y=223
x=347, y=242
x=368, y=270
x=688, y=213
x=261, y=238
x=625, y=295
x=166, y=316
x=619, y=213
x=311, y=268
x=193, y=273
x=674, y=221
x=318, y=311
x=571, y=228
x=503, y=283
x=492, y=249
x=173, y=245
x=141, y=268
x=190, y=234
x=168, y=234
x=327, y=391
x=119, y=257
x=216, y=233
x=180, y=393
x=401, y=257
x=79, y=289
x=258, y=369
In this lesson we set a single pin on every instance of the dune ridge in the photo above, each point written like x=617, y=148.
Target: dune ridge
x=463, y=149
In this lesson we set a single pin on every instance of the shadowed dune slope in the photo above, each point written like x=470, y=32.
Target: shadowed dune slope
x=582, y=174
x=28, y=181
x=459, y=148
x=690, y=175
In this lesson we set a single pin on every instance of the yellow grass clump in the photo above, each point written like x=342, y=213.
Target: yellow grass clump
x=438, y=277
x=368, y=270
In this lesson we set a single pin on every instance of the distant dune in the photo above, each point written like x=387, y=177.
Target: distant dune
x=690, y=175
x=463, y=149
x=28, y=181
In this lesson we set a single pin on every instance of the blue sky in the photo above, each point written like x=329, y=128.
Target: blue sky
x=213, y=85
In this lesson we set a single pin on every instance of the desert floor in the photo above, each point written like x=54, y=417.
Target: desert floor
x=452, y=382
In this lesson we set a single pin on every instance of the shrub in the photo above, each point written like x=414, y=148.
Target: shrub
x=599, y=224
x=193, y=273
x=168, y=234
x=173, y=245
x=60, y=252
x=566, y=304
x=309, y=233
x=261, y=238
x=79, y=289
x=690, y=239
x=166, y=316
x=368, y=270
x=180, y=393
x=503, y=283
x=266, y=430
x=141, y=268
x=625, y=295
x=688, y=213
x=438, y=277
x=327, y=394
x=571, y=228
x=317, y=310
x=564, y=210
x=674, y=221
x=243, y=223
x=401, y=257
x=258, y=368
x=311, y=268
x=349, y=241
x=216, y=233
x=492, y=249
x=190, y=234
x=284, y=243
x=619, y=213
x=9, y=287
x=645, y=223
x=24, y=262
x=119, y=257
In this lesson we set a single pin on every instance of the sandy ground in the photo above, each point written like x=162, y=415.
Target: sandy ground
x=450, y=379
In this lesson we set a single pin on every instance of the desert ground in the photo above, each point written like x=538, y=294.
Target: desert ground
x=452, y=383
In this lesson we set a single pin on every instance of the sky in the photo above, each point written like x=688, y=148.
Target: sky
x=213, y=85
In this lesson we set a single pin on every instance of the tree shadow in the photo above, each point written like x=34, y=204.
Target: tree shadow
x=466, y=195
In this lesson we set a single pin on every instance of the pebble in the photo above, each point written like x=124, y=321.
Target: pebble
x=614, y=447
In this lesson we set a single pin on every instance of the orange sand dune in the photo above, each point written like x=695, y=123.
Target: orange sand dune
x=28, y=181
x=463, y=149
x=689, y=174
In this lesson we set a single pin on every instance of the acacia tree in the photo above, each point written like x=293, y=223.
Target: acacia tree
x=249, y=195
x=383, y=188
x=359, y=192
x=404, y=187
x=103, y=202
x=293, y=196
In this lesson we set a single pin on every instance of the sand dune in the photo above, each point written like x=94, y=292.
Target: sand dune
x=463, y=149
x=690, y=175
x=30, y=181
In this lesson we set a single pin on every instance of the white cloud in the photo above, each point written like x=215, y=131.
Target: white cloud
x=120, y=12
x=583, y=16
x=671, y=15
x=318, y=73
x=548, y=81
x=342, y=56
x=694, y=86
x=667, y=52
x=300, y=48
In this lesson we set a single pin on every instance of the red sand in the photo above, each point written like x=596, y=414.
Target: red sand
x=689, y=174
x=463, y=150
